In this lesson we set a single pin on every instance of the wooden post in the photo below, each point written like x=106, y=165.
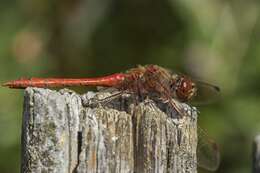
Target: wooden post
x=62, y=135
x=256, y=154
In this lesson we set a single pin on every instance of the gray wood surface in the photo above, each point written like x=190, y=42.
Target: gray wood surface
x=63, y=133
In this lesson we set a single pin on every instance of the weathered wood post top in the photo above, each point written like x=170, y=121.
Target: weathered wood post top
x=64, y=133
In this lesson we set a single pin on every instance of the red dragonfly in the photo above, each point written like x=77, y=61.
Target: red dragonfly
x=141, y=81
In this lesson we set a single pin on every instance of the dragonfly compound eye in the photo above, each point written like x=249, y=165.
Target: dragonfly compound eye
x=186, y=89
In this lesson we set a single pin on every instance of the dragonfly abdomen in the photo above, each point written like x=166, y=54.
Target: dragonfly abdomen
x=107, y=81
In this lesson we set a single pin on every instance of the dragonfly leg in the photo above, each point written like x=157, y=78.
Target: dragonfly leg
x=177, y=108
x=137, y=95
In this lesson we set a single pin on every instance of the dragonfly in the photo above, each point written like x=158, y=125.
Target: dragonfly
x=141, y=81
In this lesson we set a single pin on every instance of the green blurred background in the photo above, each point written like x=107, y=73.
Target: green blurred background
x=214, y=40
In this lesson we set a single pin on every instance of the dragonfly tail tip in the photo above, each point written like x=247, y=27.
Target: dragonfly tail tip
x=7, y=84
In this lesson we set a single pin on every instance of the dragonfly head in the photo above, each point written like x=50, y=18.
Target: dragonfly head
x=185, y=89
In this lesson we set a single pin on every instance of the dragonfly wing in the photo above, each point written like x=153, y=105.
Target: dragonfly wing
x=206, y=94
x=208, y=155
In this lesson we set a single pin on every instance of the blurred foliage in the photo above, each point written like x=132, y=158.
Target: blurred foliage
x=213, y=40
